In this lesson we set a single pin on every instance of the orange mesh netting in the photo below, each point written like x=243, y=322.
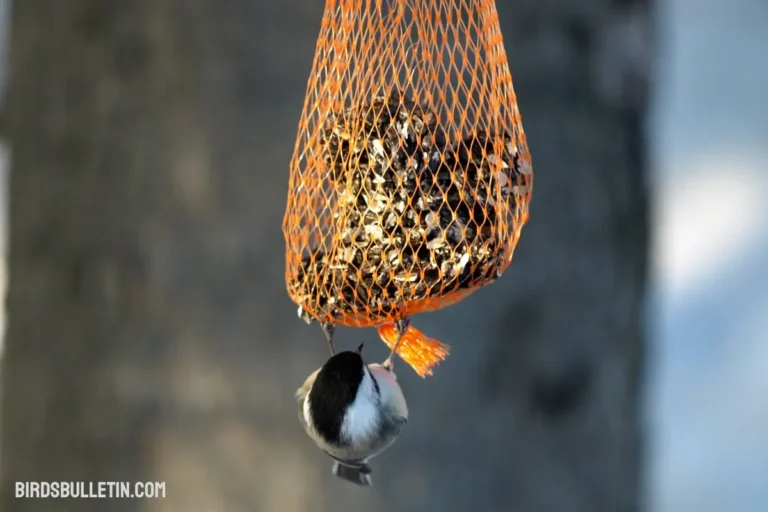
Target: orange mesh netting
x=411, y=177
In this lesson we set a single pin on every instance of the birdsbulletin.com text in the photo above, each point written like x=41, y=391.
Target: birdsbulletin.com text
x=90, y=490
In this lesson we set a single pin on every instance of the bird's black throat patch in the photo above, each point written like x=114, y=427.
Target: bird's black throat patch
x=334, y=389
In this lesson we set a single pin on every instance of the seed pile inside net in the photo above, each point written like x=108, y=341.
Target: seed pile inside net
x=415, y=215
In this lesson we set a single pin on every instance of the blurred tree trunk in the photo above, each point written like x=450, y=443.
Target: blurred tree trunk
x=150, y=148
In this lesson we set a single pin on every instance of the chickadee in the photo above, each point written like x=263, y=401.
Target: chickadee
x=352, y=411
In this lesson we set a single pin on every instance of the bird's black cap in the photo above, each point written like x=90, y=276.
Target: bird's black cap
x=334, y=389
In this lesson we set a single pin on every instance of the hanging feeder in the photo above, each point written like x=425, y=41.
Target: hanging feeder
x=411, y=177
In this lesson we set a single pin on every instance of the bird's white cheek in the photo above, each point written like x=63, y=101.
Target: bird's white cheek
x=360, y=422
x=363, y=416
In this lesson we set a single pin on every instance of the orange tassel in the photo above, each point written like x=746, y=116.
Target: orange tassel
x=421, y=352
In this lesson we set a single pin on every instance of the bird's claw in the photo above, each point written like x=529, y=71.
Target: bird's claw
x=328, y=331
x=304, y=315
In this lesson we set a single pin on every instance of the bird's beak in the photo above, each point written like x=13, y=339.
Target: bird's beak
x=360, y=348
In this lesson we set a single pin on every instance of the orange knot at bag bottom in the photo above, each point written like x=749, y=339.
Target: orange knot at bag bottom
x=421, y=352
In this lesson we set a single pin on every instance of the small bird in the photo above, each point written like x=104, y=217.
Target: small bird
x=352, y=411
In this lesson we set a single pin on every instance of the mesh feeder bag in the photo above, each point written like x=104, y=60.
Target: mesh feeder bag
x=411, y=177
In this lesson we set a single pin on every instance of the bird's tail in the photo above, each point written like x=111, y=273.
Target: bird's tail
x=360, y=475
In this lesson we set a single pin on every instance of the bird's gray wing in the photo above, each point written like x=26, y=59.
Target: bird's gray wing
x=392, y=429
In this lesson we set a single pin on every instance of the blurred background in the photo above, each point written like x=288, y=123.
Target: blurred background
x=620, y=364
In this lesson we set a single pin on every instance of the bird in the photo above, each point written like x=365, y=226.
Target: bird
x=353, y=411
